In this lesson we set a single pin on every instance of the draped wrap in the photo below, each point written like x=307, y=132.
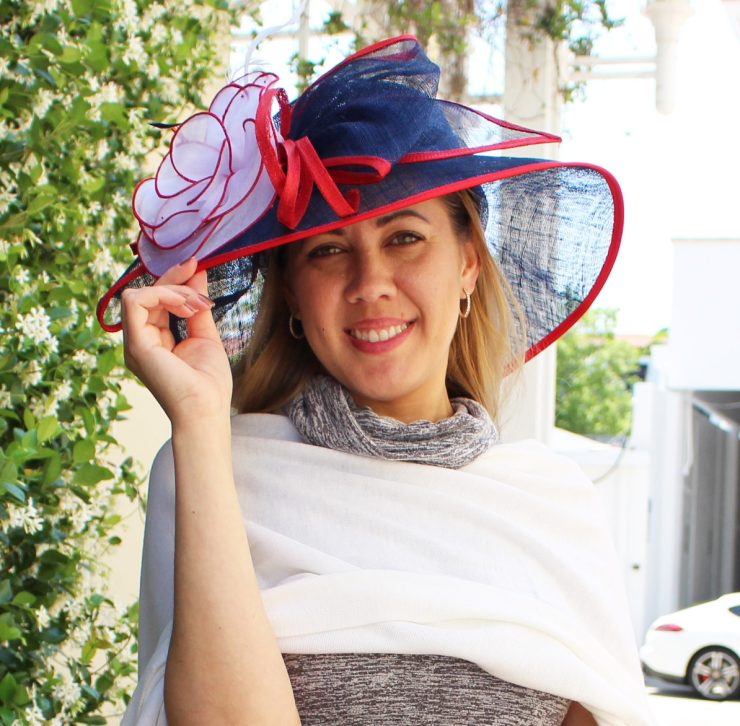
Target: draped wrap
x=506, y=562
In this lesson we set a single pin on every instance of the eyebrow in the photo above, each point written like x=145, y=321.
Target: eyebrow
x=387, y=219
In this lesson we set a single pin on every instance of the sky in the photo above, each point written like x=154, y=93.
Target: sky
x=678, y=173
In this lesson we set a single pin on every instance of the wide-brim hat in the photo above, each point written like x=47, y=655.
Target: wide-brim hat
x=368, y=137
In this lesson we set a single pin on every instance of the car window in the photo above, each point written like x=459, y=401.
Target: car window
x=735, y=610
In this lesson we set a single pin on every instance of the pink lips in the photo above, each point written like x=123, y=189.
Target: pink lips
x=380, y=346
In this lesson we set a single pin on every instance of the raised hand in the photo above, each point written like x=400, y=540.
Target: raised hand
x=191, y=380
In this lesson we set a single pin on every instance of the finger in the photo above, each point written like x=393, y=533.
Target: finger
x=143, y=309
x=201, y=325
x=179, y=274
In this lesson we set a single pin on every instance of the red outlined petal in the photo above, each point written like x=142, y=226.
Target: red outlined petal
x=196, y=147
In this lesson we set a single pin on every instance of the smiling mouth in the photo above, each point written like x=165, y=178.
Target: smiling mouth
x=380, y=334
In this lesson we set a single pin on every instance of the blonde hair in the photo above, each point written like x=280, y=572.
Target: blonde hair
x=486, y=346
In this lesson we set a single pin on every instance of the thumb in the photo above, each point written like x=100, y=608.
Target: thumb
x=179, y=274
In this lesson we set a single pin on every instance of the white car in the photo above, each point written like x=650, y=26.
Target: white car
x=698, y=646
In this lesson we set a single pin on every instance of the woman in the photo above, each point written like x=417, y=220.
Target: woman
x=353, y=548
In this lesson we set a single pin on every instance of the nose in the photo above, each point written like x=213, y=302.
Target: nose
x=370, y=277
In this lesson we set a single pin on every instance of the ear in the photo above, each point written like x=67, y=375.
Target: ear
x=470, y=266
x=290, y=300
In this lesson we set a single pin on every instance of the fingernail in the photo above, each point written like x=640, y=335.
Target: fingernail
x=206, y=300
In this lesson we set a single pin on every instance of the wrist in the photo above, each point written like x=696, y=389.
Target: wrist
x=199, y=426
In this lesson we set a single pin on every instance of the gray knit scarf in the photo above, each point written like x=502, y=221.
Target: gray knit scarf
x=326, y=415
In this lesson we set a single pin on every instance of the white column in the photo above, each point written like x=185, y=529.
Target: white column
x=531, y=98
x=668, y=17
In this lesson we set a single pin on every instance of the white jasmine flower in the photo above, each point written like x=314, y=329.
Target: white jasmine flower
x=74, y=608
x=169, y=89
x=34, y=717
x=119, y=200
x=135, y=53
x=108, y=403
x=129, y=13
x=50, y=347
x=84, y=359
x=44, y=99
x=44, y=277
x=102, y=151
x=26, y=517
x=6, y=398
x=95, y=207
x=134, y=116
x=25, y=121
x=6, y=199
x=4, y=65
x=158, y=36
x=35, y=325
x=31, y=376
x=124, y=162
x=42, y=616
x=4, y=248
x=68, y=692
x=64, y=391
x=44, y=406
x=103, y=262
x=152, y=13
x=22, y=276
x=81, y=516
x=176, y=36
x=152, y=70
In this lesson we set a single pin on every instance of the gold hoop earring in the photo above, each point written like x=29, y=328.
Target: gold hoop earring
x=291, y=320
x=468, y=305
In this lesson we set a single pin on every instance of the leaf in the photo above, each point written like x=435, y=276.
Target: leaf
x=29, y=420
x=6, y=592
x=53, y=635
x=48, y=428
x=7, y=688
x=53, y=468
x=107, y=361
x=8, y=473
x=92, y=474
x=8, y=630
x=70, y=55
x=83, y=451
x=14, y=490
x=24, y=599
x=41, y=202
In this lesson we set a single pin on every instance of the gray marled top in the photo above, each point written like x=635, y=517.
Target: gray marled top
x=379, y=689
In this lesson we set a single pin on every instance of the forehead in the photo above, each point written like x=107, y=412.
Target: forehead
x=431, y=212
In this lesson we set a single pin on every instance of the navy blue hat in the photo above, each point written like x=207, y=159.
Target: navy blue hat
x=368, y=137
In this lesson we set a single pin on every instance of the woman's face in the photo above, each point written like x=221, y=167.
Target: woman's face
x=379, y=302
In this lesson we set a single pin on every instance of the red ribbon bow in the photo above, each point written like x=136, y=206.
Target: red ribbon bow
x=295, y=167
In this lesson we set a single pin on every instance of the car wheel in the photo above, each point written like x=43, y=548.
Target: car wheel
x=714, y=673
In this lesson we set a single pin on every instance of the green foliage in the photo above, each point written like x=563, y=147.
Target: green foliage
x=446, y=26
x=79, y=79
x=595, y=372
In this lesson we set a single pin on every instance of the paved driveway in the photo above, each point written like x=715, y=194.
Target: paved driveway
x=678, y=706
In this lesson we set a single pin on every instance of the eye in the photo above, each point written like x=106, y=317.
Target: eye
x=326, y=250
x=405, y=238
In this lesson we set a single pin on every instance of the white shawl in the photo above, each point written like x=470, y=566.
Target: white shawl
x=507, y=563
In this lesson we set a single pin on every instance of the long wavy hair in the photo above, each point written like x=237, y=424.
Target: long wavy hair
x=486, y=346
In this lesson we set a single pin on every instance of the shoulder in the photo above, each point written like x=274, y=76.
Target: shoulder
x=263, y=426
x=531, y=464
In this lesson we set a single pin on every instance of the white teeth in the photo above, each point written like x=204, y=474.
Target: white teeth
x=382, y=334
